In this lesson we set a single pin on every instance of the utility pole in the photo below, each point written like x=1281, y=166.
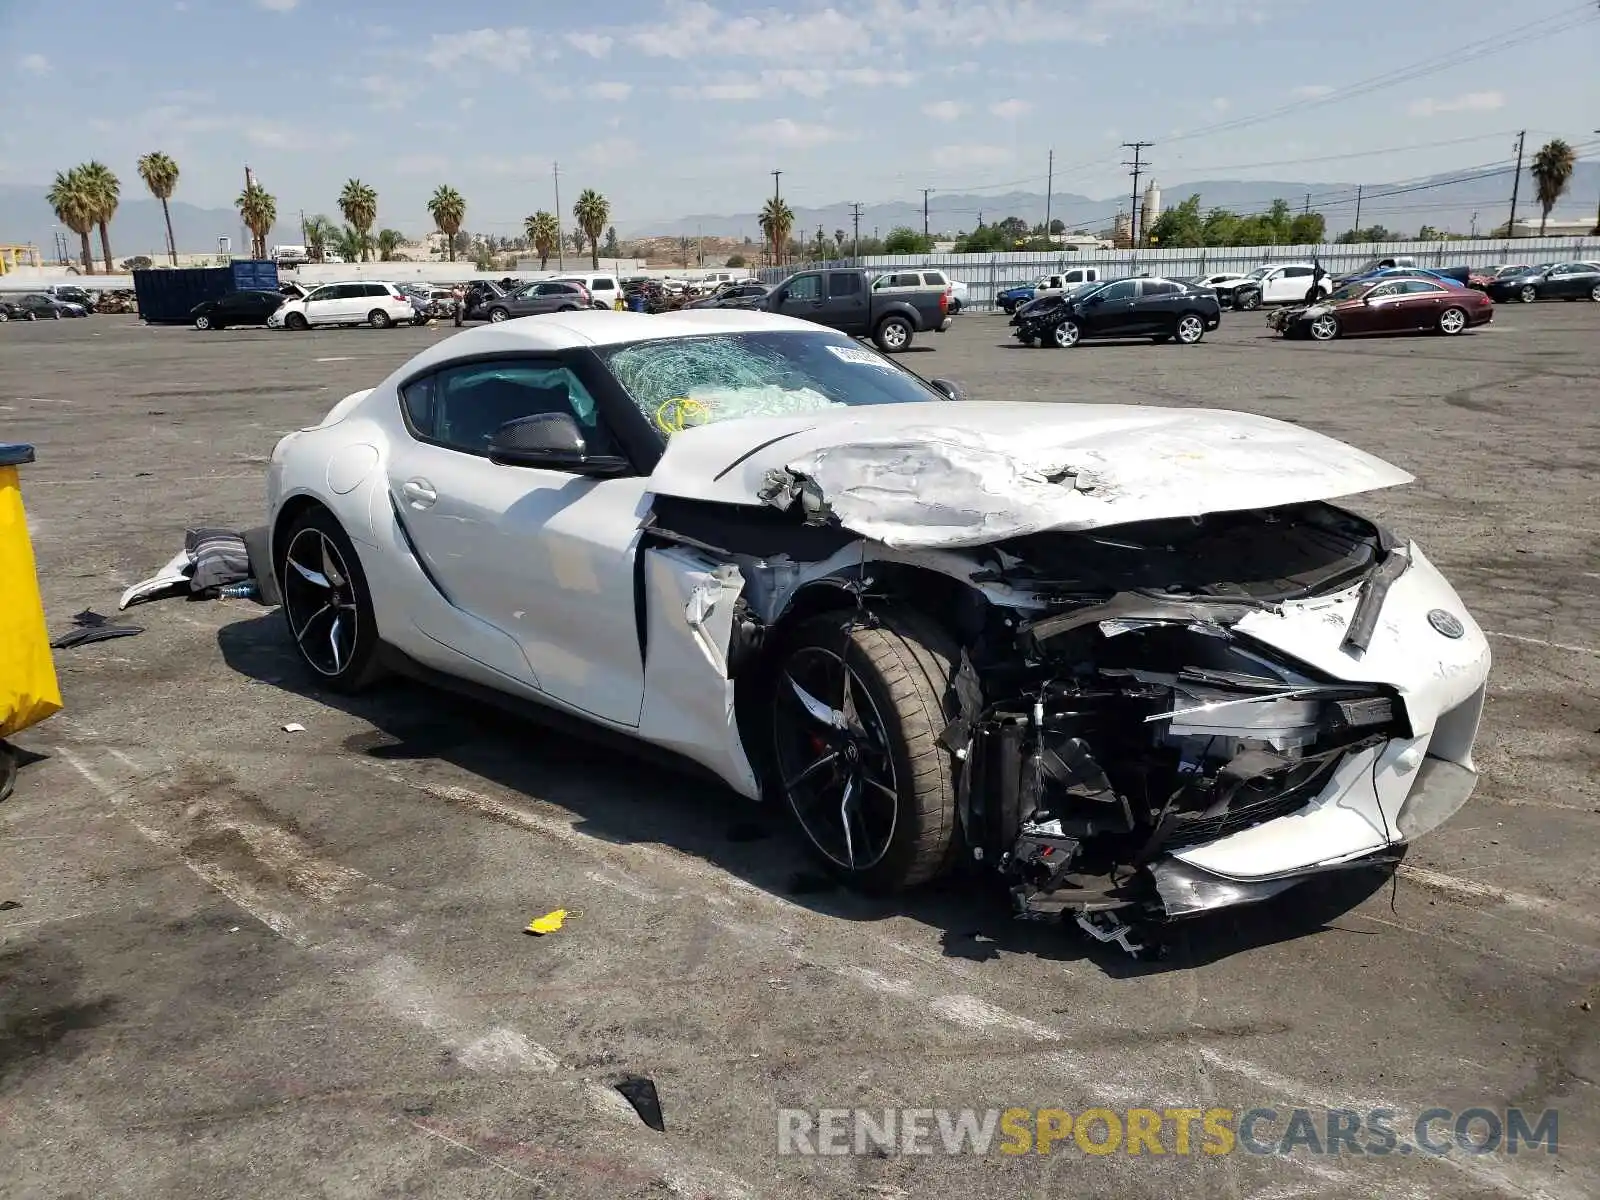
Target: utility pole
x=1474, y=232
x=1138, y=166
x=925, y=192
x=1358, y=208
x=1597, y=209
x=561, y=233
x=1049, y=188
x=1308, y=203
x=777, y=207
x=1511, y=224
x=855, y=217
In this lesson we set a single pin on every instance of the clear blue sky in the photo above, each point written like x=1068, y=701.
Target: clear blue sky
x=678, y=106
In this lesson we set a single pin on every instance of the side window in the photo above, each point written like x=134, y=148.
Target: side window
x=1297, y=272
x=1073, y=277
x=322, y=293
x=462, y=407
x=1383, y=289
x=375, y=289
x=1158, y=287
x=805, y=287
x=1122, y=290
x=845, y=283
x=416, y=403
x=934, y=278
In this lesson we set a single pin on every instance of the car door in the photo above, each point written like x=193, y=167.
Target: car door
x=544, y=557
x=1420, y=303
x=1568, y=280
x=322, y=305
x=1378, y=312
x=803, y=297
x=1155, y=310
x=1110, y=311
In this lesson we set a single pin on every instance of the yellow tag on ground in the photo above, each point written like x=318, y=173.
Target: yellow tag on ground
x=548, y=923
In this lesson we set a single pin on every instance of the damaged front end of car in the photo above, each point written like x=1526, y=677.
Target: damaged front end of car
x=1147, y=720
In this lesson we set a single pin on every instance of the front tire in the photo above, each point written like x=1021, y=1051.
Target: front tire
x=1249, y=301
x=327, y=603
x=496, y=315
x=1324, y=328
x=1452, y=321
x=893, y=334
x=1594, y=293
x=1528, y=294
x=202, y=322
x=857, y=709
x=1064, y=334
x=297, y=322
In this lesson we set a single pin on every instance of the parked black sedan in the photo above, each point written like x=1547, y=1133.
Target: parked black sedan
x=1553, y=281
x=741, y=295
x=1159, y=309
x=35, y=306
x=236, y=308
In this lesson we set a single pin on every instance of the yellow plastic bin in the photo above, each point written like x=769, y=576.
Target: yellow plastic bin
x=28, y=689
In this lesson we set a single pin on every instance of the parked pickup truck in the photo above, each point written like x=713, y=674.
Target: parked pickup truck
x=843, y=299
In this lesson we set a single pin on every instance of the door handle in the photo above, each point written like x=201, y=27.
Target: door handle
x=419, y=492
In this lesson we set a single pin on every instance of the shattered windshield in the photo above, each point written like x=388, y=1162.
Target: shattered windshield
x=681, y=382
x=1258, y=273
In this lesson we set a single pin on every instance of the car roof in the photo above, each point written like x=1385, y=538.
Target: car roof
x=568, y=331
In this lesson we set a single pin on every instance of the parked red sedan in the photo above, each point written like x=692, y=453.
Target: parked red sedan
x=1386, y=306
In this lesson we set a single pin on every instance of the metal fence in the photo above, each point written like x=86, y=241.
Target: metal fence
x=986, y=274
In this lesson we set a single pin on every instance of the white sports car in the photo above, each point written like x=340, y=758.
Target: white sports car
x=1130, y=658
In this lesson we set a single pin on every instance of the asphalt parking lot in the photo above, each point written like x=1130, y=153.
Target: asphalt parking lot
x=250, y=962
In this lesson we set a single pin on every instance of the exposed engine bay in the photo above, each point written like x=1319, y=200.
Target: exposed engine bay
x=1113, y=709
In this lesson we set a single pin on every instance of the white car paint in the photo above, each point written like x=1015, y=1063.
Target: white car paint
x=941, y=476
x=1285, y=283
x=538, y=565
x=347, y=303
x=1065, y=281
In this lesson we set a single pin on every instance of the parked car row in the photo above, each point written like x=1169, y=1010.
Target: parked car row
x=36, y=306
x=1162, y=310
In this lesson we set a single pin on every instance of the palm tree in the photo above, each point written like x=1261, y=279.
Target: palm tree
x=1551, y=171
x=258, y=209
x=448, y=210
x=389, y=242
x=544, y=232
x=359, y=203
x=592, y=211
x=319, y=232
x=106, y=190
x=349, y=243
x=160, y=175
x=74, y=207
x=777, y=219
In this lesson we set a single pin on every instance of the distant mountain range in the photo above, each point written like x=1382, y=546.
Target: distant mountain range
x=138, y=227
x=1444, y=205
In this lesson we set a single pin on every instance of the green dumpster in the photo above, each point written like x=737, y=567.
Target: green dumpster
x=28, y=689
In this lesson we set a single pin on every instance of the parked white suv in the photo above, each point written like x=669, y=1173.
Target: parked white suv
x=908, y=280
x=361, y=303
x=1284, y=283
x=604, y=290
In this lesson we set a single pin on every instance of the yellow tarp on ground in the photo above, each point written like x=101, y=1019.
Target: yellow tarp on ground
x=28, y=689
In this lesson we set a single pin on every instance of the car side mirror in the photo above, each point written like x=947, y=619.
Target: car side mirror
x=951, y=389
x=552, y=441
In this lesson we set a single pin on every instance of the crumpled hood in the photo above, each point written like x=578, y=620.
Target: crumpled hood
x=967, y=474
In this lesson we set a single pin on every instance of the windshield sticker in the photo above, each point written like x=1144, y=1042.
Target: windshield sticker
x=861, y=356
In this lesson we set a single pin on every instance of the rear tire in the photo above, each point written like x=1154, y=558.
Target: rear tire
x=202, y=322
x=893, y=334
x=899, y=666
x=1191, y=327
x=379, y=319
x=1452, y=321
x=1594, y=293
